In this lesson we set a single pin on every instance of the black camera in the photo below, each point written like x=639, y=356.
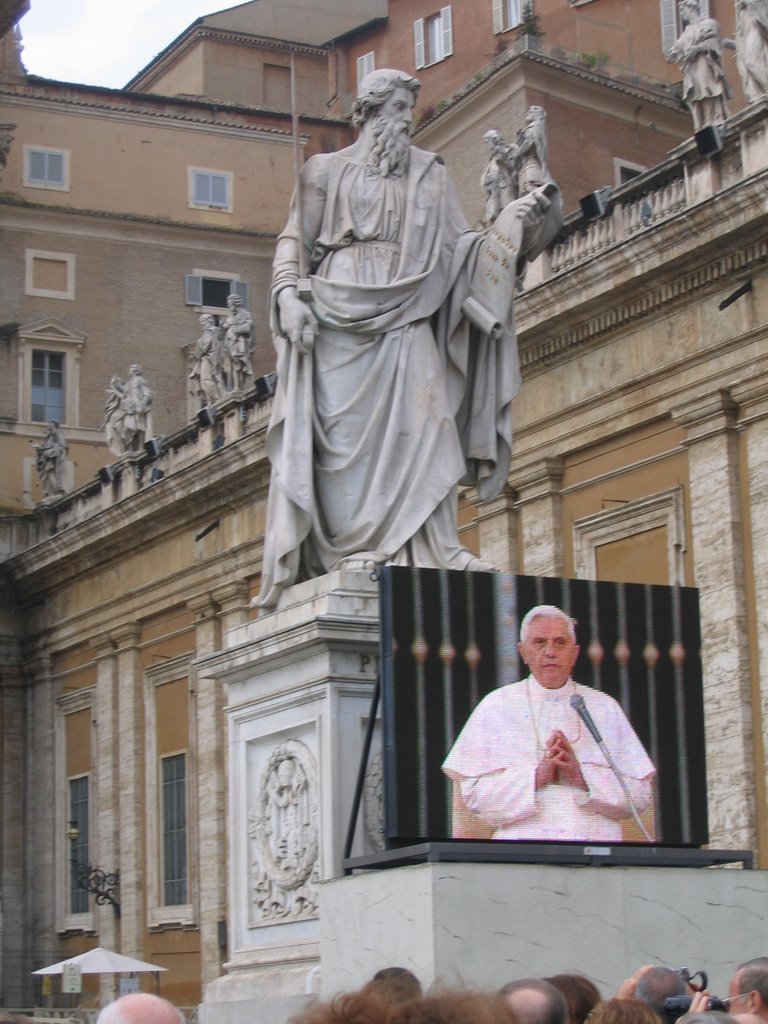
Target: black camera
x=676, y=1006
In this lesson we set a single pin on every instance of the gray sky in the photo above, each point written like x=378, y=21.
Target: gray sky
x=103, y=42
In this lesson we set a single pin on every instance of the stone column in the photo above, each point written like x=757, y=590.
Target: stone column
x=208, y=711
x=718, y=555
x=130, y=727
x=752, y=397
x=105, y=795
x=540, y=504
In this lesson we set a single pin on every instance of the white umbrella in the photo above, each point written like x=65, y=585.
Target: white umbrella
x=102, y=961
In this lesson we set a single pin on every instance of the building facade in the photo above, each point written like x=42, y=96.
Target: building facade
x=639, y=429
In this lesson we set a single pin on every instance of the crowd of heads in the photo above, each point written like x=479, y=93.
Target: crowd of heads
x=394, y=995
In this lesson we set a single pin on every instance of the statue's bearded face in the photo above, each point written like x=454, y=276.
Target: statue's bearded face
x=392, y=133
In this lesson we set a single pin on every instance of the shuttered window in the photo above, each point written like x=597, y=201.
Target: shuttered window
x=210, y=189
x=433, y=38
x=46, y=168
x=365, y=65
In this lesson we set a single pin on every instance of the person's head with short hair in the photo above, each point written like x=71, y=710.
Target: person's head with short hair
x=535, y=1001
x=368, y=1006
x=548, y=645
x=457, y=1006
x=658, y=984
x=623, y=1011
x=580, y=994
x=395, y=983
x=140, y=1008
x=748, y=989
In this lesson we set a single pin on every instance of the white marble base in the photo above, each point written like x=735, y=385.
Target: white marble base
x=487, y=924
x=299, y=686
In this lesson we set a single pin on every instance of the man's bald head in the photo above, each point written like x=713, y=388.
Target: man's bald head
x=535, y=1001
x=140, y=1008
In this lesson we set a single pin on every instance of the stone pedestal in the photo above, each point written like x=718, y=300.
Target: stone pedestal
x=299, y=686
x=483, y=925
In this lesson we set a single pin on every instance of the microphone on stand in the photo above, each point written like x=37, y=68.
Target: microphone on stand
x=579, y=705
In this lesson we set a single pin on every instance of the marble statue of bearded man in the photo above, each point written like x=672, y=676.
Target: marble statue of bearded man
x=396, y=376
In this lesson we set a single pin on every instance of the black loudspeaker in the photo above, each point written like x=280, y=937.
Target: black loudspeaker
x=153, y=447
x=265, y=387
x=596, y=203
x=708, y=140
x=206, y=417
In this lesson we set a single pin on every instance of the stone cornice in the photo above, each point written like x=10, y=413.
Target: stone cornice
x=144, y=107
x=18, y=214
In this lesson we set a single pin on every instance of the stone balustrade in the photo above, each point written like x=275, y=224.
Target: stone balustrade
x=137, y=472
x=682, y=182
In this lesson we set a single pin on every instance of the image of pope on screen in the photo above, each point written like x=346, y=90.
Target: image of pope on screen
x=547, y=758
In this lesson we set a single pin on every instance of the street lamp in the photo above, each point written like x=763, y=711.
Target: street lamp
x=103, y=885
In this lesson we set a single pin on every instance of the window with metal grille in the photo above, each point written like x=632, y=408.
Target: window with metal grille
x=78, y=816
x=48, y=386
x=174, y=810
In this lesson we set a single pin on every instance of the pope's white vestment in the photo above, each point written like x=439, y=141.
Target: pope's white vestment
x=493, y=764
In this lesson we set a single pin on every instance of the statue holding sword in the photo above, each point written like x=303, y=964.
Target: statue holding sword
x=396, y=353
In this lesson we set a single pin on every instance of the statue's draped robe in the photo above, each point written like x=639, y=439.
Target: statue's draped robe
x=401, y=398
x=752, y=48
x=699, y=50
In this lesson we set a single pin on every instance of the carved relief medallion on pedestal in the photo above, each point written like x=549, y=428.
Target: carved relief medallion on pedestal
x=284, y=837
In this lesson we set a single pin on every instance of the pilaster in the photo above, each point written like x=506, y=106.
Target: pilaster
x=40, y=844
x=752, y=397
x=540, y=503
x=718, y=554
x=130, y=753
x=497, y=532
x=104, y=823
x=208, y=697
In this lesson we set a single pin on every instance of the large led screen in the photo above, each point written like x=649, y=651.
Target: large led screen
x=483, y=741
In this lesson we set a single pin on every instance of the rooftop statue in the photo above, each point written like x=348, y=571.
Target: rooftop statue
x=699, y=52
x=207, y=370
x=50, y=461
x=398, y=366
x=237, y=326
x=128, y=412
x=499, y=177
x=532, y=151
x=752, y=47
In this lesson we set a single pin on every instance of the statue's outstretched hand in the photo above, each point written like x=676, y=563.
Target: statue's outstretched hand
x=297, y=320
